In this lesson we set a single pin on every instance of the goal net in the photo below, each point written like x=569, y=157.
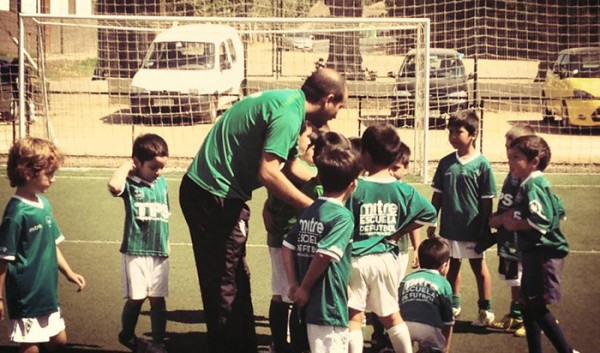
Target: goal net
x=174, y=76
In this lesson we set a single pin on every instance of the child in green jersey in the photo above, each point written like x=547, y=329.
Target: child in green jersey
x=316, y=253
x=509, y=264
x=398, y=170
x=279, y=218
x=29, y=255
x=463, y=189
x=426, y=298
x=145, y=246
x=385, y=210
x=536, y=217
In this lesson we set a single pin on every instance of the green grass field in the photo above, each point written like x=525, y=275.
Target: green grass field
x=92, y=222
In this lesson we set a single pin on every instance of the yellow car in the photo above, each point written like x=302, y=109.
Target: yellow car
x=572, y=88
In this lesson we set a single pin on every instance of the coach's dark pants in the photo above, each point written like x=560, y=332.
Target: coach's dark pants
x=219, y=230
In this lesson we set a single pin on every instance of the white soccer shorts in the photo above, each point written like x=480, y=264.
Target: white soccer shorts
x=36, y=330
x=144, y=276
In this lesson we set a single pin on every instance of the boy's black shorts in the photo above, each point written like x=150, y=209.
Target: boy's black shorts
x=541, y=276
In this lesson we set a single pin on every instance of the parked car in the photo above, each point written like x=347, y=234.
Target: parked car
x=297, y=41
x=189, y=70
x=448, y=89
x=571, y=90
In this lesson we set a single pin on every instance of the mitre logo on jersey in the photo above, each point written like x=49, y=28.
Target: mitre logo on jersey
x=378, y=218
x=308, y=237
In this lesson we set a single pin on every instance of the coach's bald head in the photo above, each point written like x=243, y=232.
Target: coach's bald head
x=326, y=93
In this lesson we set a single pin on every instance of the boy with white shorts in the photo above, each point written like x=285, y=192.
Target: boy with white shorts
x=463, y=188
x=145, y=246
x=316, y=253
x=385, y=209
x=29, y=255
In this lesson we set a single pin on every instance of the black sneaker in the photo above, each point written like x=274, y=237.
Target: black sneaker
x=130, y=343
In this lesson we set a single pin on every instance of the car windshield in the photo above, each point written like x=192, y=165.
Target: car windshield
x=439, y=67
x=585, y=65
x=180, y=56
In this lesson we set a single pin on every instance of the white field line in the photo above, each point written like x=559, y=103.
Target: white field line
x=118, y=242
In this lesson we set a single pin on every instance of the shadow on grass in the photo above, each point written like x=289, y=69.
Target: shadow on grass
x=466, y=327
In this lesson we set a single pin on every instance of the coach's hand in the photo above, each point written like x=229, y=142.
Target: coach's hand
x=431, y=232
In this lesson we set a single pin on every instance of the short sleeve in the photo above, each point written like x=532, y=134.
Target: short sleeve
x=291, y=239
x=487, y=182
x=438, y=179
x=283, y=132
x=422, y=211
x=539, y=204
x=337, y=239
x=9, y=233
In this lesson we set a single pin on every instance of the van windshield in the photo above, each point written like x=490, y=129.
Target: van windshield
x=180, y=56
x=439, y=66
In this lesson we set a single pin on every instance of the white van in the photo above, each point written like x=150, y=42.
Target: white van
x=189, y=70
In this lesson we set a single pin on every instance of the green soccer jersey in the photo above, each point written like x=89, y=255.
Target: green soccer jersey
x=426, y=297
x=227, y=163
x=543, y=210
x=285, y=216
x=147, y=214
x=324, y=227
x=381, y=207
x=28, y=238
x=463, y=183
x=507, y=240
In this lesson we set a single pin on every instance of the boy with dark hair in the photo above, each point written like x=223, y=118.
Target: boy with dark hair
x=145, y=245
x=463, y=188
x=385, y=209
x=29, y=254
x=536, y=219
x=426, y=298
x=316, y=253
x=398, y=170
x=509, y=264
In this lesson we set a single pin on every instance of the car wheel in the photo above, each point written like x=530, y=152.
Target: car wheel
x=564, y=113
x=547, y=115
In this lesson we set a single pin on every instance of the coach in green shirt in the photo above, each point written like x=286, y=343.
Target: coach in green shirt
x=244, y=150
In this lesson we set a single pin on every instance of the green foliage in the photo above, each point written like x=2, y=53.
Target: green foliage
x=70, y=68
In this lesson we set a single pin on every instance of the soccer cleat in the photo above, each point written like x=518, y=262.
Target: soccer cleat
x=485, y=318
x=130, y=343
x=507, y=324
x=456, y=310
x=156, y=348
x=520, y=332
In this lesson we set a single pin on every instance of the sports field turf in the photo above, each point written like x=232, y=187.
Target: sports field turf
x=92, y=222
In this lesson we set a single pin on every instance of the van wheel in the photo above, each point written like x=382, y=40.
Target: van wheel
x=212, y=109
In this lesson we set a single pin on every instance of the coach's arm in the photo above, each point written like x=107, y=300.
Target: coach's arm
x=271, y=177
